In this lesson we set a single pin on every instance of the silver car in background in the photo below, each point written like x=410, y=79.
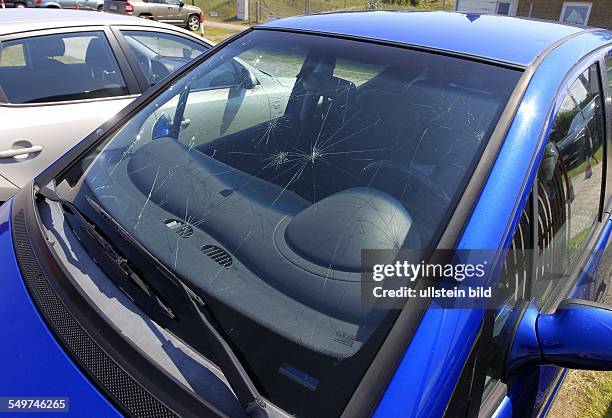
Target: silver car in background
x=174, y=12
x=63, y=73
x=68, y=4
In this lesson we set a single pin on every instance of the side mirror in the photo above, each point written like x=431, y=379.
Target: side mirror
x=186, y=53
x=181, y=3
x=578, y=335
x=161, y=128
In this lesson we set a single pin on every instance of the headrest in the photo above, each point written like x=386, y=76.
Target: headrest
x=96, y=53
x=48, y=46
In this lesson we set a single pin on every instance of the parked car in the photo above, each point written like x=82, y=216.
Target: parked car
x=15, y=3
x=63, y=73
x=199, y=257
x=68, y=4
x=174, y=12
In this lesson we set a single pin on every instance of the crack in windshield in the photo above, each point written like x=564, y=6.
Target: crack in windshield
x=290, y=155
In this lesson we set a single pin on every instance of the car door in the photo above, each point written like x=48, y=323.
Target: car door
x=158, y=10
x=164, y=12
x=174, y=12
x=560, y=250
x=67, y=4
x=57, y=87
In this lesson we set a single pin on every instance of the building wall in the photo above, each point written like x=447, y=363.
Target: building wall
x=485, y=6
x=601, y=11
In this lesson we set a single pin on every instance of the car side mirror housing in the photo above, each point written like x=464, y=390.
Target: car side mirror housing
x=578, y=335
x=181, y=3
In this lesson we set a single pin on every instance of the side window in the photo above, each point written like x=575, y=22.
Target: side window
x=71, y=66
x=569, y=183
x=160, y=53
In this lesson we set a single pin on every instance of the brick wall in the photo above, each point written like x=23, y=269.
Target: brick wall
x=601, y=12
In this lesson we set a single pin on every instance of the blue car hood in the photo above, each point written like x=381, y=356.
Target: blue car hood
x=32, y=364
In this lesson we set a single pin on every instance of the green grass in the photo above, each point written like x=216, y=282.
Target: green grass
x=284, y=8
x=216, y=34
x=12, y=56
x=584, y=394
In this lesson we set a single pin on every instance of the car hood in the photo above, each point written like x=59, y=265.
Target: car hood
x=32, y=360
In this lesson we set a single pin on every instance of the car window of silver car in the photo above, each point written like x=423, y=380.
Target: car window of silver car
x=160, y=53
x=60, y=67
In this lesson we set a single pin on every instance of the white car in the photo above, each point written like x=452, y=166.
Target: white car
x=63, y=73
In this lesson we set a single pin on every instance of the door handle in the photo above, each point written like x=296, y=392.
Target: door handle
x=13, y=152
x=185, y=123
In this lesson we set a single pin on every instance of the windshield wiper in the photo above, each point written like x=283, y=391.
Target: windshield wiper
x=225, y=358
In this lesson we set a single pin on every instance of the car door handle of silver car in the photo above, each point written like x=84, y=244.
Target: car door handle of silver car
x=13, y=152
x=185, y=123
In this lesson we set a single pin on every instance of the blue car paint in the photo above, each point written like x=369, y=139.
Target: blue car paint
x=504, y=410
x=507, y=39
x=525, y=345
x=587, y=331
x=38, y=366
x=434, y=354
x=431, y=365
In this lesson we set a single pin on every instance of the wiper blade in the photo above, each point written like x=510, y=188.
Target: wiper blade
x=121, y=263
x=225, y=358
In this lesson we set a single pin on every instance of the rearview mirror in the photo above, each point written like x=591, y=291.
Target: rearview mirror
x=578, y=335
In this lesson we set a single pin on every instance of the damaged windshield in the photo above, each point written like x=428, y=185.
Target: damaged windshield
x=259, y=176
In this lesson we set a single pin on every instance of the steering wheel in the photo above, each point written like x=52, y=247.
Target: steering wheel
x=404, y=173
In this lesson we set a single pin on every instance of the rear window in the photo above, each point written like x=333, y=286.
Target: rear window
x=61, y=67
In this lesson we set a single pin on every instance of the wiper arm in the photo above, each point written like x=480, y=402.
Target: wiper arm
x=226, y=359
x=119, y=262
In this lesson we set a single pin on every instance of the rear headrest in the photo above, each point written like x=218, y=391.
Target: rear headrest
x=96, y=55
x=48, y=46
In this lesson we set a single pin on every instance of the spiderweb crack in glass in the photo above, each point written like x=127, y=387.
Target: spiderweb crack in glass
x=338, y=146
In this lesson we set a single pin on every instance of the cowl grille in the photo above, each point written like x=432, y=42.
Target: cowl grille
x=135, y=400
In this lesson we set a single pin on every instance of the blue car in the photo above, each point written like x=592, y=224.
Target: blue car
x=197, y=256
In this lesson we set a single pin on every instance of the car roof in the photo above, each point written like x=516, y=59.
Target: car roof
x=505, y=39
x=27, y=19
